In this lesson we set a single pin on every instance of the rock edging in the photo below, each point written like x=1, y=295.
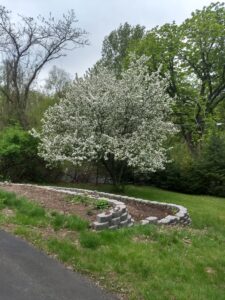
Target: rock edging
x=181, y=217
x=118, y=215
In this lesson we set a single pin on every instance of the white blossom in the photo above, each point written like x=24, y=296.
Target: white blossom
x=102, y=116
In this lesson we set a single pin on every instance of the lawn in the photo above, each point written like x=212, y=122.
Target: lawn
x=143, y=262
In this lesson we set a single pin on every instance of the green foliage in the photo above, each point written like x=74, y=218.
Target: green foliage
x=210, y=166
x=38, y=104
x=71, y=222
x=200, y=174
x=192, y=56
x=102, y=204
x=19, y=160
x=93, y=203
x=82, y=199
x=116, y=44
x=90, y=240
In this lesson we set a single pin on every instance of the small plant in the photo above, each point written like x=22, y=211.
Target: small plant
x=82, y=199
x=174, y=210
x=102, y=204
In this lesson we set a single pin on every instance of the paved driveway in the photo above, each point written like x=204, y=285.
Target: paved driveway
x=28, y=274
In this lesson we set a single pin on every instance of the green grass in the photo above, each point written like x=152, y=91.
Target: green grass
x=206, y=211
x=31, y=214
x=143, y=262
x=70, y=222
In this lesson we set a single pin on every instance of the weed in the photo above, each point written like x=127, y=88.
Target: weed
x=102, y=204
x=82, y=199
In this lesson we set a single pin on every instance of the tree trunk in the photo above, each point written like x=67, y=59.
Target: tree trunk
x=116, y=172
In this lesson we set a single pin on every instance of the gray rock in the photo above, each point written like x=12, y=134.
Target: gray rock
x=123, y=223
x=100, y=226
x=103, y=217
x=124, y=216
x=113, y=227
x=144, y=222
x=115, y=221
x=152, y=220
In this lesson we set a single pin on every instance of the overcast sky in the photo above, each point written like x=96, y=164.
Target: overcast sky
x=100, y=17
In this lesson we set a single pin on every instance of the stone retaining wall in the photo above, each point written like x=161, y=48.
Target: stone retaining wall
x=181, y=216
x=116, y=218
x=118, y=215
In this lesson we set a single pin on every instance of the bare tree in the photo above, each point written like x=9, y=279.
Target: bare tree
x=26, y=47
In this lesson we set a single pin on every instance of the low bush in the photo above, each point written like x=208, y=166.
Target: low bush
x=19, y=160
x=200, y=174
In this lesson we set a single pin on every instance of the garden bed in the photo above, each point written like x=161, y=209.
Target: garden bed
x=54, y=200
x=121, y=211
x=140, y=211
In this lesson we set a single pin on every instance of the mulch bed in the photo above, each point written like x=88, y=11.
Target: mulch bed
x=52, y=200
x=58, y=201
x=140, y=211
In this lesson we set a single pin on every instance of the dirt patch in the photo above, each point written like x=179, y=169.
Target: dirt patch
x=140, y=211
x=59, y=201
x=8, y=212
x=53, y=200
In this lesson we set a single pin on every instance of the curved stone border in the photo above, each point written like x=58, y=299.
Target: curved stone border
x=118, y=215
x=181, y=216
x=116, y=218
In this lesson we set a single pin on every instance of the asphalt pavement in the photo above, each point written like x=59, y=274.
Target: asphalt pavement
x=29, y=274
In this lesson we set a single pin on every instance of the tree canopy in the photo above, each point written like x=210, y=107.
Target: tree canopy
x=193, y=54
x=118, y=122
x=116, y=44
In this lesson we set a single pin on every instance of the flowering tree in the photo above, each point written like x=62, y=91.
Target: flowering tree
x=118, y=122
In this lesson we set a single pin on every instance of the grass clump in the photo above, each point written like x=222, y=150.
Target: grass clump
x=90, y=240
x=70, y=222
x=64, y=249
x=26, y=212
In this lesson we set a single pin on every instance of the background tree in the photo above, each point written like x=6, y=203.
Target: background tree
x=57, y=82
x=26, y=47
x=118, y=122
x=115, y=45
x=203, y=57
x=193, y=55
x=38, y=104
